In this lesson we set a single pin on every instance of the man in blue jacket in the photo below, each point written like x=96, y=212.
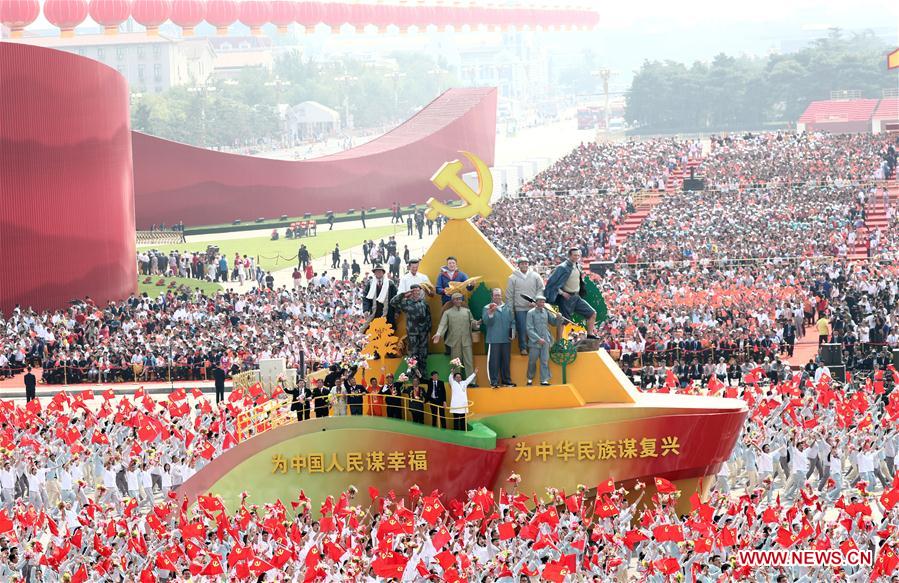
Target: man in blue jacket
x=565, y=289
x=499, y=319
x=449, y=273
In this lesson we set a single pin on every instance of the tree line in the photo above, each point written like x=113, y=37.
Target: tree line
x=244, y=112
x=742, y=93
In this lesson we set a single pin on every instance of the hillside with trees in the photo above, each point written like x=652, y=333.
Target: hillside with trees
x=740, y=93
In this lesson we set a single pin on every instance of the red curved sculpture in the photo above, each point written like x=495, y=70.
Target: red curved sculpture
x=66, y=203
x=175, y=182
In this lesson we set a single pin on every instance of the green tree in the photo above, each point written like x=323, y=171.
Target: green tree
x=733, y=93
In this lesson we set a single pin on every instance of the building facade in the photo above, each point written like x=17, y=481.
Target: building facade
x=150, y=64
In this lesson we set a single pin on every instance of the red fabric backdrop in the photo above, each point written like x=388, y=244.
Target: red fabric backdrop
x=66, y=193
x=175, y=182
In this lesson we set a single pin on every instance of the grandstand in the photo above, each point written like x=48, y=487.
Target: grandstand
x=886, y=116
x=838, y=116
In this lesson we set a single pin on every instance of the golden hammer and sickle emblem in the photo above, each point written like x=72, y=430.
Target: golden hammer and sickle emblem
x=449, y=176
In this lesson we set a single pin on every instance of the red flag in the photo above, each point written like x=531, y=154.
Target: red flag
x=606, y=487
x=80, y=576
x=605, y=508
x=193, y=530
x=389, y=564
x=440, y=538
x=558, y=570
x=207, y=451
x=506, y=531
x=433, y=510
x=890, y=498
x=259, y=566
x=210, y=504
x=668, y=532
x=668, y=565
x=664, y=486
x=99, y=438
x=445, y=559
x=334, y=551
x=239, y=553
x=785, y=538
x=726, y=537
x=633, y=537
x=6, y=525
x=165, y=562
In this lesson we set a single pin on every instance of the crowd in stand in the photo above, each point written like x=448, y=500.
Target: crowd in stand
x=631, y=166
x=776, y=221
x=739, y=161
x=182, y=333
x=734, y=272
x=518, y=226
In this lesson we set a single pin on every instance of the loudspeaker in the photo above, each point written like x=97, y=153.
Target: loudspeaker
x=830, y=354
x=694, y=184
x=896, y=358
x=838, y=373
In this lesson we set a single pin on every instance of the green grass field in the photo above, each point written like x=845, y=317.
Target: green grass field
x=154, y=290
x=275, y=255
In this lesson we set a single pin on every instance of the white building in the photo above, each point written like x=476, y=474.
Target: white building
x=311, y=120
x=150, y=64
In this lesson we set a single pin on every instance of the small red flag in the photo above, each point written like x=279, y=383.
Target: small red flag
x=664, y=486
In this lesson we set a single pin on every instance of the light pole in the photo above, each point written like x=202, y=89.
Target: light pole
x=278, y=83
x=202, y=91
x=396, y=76
x=346, y=97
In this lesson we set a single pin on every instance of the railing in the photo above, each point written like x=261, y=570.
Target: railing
x=263, y=417
x=246, y=379
x=159, y=238
x=277, y=413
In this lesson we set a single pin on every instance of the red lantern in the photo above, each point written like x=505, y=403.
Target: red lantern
x=221, y=14
x=65, y=14
x=381, y=17
x=441, y=16
x=151, y=13
x=517, y=17
x=283, y=14
x=310, y=14
x=255, y=13
x=403, y=16
x=456, y=17
x=109, y=13
x=590, y=19
x=423, y=16
x=335, y=15
x=187, y=14
x=541, y=18
x=17, y=14
x=361, y=15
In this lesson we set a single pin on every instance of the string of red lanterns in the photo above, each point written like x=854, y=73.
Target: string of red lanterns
x=403, y=14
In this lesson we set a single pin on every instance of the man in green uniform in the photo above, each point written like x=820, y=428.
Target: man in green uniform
x=456, y=325
x=418, y=325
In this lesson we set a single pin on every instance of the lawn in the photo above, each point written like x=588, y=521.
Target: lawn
x=274, y=255
x=154, y=290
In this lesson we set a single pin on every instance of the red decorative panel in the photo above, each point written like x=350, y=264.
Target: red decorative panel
x=175, y=182
x=66, y=202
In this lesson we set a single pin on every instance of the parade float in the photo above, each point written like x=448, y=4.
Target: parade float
x=592, y=426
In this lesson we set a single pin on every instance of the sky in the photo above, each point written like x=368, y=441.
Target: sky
x=633, y=31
